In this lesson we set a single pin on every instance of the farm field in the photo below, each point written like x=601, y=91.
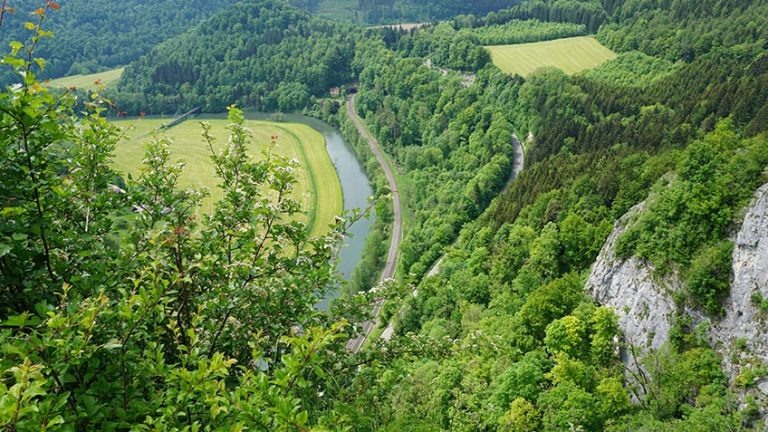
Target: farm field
x=317, y=189
x=571, y=55
x=86, y=82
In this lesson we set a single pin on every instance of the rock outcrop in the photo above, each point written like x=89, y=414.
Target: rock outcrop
x=744, y=329
x=642, y=300
x=644, y=303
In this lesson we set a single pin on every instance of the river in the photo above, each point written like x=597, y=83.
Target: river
x=354, y=186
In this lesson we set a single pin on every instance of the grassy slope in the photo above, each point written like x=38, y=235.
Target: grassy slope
x=318, y=188
x=570, y=54
x=87, y=82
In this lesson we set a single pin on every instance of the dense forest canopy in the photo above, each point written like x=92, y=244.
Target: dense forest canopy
x=209, y=323
x=261, y=54
x=399, y=11
x=93, y=35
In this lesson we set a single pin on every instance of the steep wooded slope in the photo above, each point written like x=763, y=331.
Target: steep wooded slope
x=264, y=54
x=92, y=35
x=530, y=349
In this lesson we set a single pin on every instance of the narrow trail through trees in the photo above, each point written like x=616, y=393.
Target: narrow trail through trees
x=397, y=226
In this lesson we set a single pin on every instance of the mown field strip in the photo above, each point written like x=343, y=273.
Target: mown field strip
x=87, y=82
x=570, y=54
x=327, y=201
x=318, y=188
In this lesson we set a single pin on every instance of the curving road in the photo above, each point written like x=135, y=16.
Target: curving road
x=518, y=164
x=397, y=226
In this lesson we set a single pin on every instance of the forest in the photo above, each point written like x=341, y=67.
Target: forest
x=373, y=12
x=208, y=324
x=93, y=35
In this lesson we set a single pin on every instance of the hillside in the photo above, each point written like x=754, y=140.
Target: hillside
x=617, y=283
x=261, y=54
x=94, y=35
x=372, y=12
x=531, y=349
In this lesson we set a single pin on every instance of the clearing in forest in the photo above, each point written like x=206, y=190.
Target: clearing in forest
x=317, y=188
x=571, y=55
x=87, y=82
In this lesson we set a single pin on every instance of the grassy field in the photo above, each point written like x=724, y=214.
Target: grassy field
x=318, y=188
x=571, y=55
x=87, y=82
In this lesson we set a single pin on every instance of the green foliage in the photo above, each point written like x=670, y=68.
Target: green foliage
x=708, y=27
x=759, y=301
x=631, y=69
x=95, y=35
x=521, y=417
x=588, y=13
x=188, y=324
x=522, y=380
x=262, y=54
x=605, y=326
x=709, y=279
x=549, y=302
x=678, y=380
x=681, y=226
x=565, y=335
x=374, y=12
x=612, y=398
x=567, y=406
x=517, y=32
x=195, y=324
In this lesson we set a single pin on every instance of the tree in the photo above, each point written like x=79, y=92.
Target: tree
x=185, y=323
x=521, y=417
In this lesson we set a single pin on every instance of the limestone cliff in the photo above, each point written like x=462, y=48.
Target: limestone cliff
x=643, y=301
x=744, y=329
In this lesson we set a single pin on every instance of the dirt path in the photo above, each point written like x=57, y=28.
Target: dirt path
x=397, y=226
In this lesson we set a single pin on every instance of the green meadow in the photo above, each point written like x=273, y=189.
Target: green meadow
x=571, y=55
x=318, y=188
x=88, y=82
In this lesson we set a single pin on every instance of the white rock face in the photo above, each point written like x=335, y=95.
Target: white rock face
x=642, y=301
x=646, y=310
x=744, y=321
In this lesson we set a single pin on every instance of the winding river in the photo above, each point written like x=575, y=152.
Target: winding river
x=354, y=187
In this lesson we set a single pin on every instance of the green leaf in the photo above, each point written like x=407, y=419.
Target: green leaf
x=318, y=370
x=4, y=249
x=56, y=421
x=12, y=349
x=301, y=418
x=113, y=345
x=16, y=320
x=15, y=47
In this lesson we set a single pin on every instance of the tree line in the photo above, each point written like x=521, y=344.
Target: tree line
x=96, y=35
x=195, y=323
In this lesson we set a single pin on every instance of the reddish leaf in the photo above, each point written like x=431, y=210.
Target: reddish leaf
x=55, y=6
